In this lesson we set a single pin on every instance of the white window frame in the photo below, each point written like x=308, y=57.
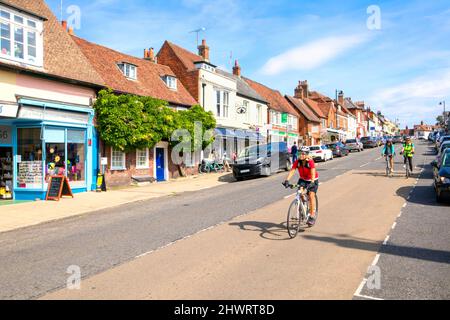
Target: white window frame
x=116, y=168
x=26, y=28
x=147, y=159
x=127, y=70
x=171, y=82
x=222, y=109
x=259, y=114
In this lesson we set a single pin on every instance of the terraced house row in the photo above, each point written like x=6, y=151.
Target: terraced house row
x=49, y=80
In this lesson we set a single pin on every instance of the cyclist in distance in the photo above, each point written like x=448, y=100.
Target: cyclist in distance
x=408, y=153
x=389, y=151
x=309, y=177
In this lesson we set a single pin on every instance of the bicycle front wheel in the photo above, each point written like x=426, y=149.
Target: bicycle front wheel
x=293, y=219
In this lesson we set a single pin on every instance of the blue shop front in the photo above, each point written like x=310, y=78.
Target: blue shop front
x=39, y=139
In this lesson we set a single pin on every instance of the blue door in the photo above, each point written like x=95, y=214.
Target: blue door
x=160, y=161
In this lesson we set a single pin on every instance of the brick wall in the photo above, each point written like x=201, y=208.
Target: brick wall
x=190, y=79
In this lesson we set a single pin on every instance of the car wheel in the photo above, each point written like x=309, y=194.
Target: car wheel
x=288, y=165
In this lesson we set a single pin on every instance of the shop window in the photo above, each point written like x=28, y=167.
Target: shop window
x=29, y=158
x=117, y=160
x=76, y=156
x=55, y=153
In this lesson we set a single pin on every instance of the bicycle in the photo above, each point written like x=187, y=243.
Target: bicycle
x=388, y=166
x=407, y=168
x=299, y=212
x=208, y=167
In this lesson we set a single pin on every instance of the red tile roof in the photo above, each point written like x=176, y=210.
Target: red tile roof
x=62, y=57
x=148, y=83
x=273, y=97
x=304, y=109
x=316, y=108
x=187, y=58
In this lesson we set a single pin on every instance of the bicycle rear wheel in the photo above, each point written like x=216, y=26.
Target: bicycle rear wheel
x=293, y=219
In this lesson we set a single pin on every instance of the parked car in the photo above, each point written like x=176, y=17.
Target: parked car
x=354, y=144
x=443, y=149
x=321, y=153
x=441, y=172
x=397, y=139
x=369, y=142
x=262, y=160
x=442, y=139
x=339, y=149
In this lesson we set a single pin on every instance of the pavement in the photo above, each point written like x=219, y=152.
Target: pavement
x=24, y=214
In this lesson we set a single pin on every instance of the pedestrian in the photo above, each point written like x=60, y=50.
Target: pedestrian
x=294, y=152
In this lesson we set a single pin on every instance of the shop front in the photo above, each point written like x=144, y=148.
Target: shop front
x=231, y=141
x=46, y=139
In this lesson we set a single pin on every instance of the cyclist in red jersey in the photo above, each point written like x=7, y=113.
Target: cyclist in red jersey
x=308, y=176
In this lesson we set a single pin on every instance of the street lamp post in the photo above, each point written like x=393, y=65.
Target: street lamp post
x=442, y=103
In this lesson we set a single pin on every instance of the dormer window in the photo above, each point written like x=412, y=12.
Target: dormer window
x=21, y=37
x=128, y=70
x=171, y=82
x=205, y=66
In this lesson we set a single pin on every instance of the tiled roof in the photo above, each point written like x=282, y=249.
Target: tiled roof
x=148, y=83
x=304, y=109
x=315, y=108
x=62, y=57
x=187, y=58
x=276, y=101
x=243, y=88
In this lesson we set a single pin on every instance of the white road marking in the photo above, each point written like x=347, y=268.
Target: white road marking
x=394, y=225
x=287, y=197
x=361, y=286
x=404, y=206
x=386, y=240
x=368, y=297
x=375, y=261
x=400, y=215
x=378, y=159
x=364, y=165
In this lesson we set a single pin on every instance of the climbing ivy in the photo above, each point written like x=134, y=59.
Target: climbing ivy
x=129, y=122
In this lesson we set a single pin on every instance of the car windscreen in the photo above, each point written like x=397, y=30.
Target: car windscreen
x=254, y=151
x=314, y=148
x=365, y=139
x=446, y=161
x=351, y=141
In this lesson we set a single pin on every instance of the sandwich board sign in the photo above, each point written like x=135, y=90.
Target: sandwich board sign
x=58, y=187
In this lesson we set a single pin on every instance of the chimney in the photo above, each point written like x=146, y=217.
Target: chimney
x=237, y=69
x=146, y=54
x=302, y=90
x=64, y=25
x=151, y=55
x=203, y=50
x=341, y=98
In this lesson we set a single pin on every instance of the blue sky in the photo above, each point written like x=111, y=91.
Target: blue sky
x=402, y=69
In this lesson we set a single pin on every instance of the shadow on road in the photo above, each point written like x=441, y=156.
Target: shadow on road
x=401, y=251
x=267, y=230
x=396, y=175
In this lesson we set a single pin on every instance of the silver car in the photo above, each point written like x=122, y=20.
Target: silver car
x=354, y=145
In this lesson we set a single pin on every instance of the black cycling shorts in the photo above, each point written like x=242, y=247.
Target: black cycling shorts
x=310, y=186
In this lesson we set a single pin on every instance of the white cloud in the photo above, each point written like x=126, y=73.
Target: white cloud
x=416, y=100
x=312, y=55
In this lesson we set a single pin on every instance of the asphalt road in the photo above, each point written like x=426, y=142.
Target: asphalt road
x=34, y=261
x=414, y=263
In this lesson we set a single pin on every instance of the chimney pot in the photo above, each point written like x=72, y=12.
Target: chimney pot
x=71, y=31
x=145, y=53
x=237, y=69
x=64, y=24
x=203, y=50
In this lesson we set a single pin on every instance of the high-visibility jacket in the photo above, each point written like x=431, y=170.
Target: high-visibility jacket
x=408, y=149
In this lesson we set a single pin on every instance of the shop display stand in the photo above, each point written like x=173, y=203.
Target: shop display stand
x=6, y=178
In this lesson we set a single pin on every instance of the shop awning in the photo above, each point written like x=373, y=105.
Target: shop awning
x=239, y=134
